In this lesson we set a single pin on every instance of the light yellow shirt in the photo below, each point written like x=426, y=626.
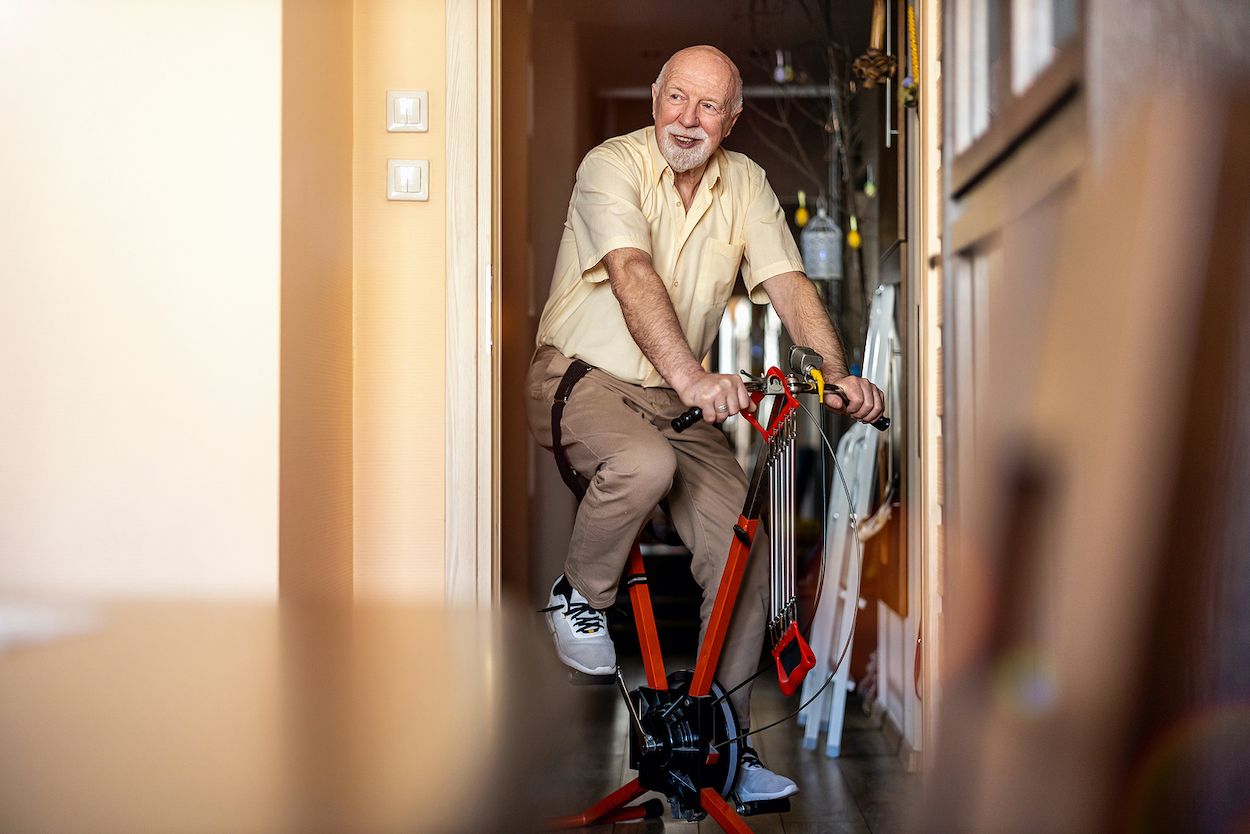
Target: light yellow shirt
x=625, y=197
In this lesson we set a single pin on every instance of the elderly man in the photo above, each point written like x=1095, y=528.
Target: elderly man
x=660, y=223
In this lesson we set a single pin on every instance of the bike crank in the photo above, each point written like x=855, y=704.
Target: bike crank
x=672, y=743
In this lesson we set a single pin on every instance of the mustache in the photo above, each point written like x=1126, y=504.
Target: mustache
x=692, y=133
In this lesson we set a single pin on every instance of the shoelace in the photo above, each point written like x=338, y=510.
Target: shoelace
x=586, y=620
x=750, y=758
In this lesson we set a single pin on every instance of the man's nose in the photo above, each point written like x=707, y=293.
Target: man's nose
x=690, y=114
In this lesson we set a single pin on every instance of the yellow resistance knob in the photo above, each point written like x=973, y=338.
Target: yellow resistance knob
x=820, y=385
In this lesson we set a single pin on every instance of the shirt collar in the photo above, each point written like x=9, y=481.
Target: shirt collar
x=711, y=174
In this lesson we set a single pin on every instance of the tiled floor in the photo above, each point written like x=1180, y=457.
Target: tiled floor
x=865, y=791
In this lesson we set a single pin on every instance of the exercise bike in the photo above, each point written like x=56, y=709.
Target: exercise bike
x=685, y=740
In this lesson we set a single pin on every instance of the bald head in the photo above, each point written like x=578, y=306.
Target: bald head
x=695, y=101
x=706, y=57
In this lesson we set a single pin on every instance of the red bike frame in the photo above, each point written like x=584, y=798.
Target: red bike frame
x=612, y=808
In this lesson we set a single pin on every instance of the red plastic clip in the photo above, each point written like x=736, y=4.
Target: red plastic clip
x=788, y=405
x=794, y=658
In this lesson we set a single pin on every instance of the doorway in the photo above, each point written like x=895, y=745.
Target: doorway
x=573, y=75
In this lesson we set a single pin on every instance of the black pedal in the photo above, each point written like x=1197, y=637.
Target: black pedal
x=582, y=679
x=762, y=806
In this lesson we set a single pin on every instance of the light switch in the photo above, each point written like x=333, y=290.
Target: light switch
x=407, y=179
x=407, y=111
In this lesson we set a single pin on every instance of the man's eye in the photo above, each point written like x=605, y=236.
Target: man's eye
x=707, y=105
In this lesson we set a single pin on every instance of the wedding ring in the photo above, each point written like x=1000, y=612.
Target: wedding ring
x=722, y=408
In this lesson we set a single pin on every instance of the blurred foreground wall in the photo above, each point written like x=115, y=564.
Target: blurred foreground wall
x=139, y=264
x=1098, y=366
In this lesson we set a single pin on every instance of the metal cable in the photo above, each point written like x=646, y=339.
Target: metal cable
x=852, y=599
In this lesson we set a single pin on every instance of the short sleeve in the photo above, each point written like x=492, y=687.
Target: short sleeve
x=606, y=211
x=770, y=248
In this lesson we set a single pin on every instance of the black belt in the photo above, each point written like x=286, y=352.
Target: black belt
x=572, y=480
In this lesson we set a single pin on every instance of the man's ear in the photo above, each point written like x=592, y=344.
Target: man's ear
x=655, y=95
x=733, y=120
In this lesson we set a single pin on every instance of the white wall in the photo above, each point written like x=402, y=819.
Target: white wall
x=139, y=291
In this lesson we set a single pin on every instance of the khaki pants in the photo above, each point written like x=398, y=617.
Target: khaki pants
x=618, y=436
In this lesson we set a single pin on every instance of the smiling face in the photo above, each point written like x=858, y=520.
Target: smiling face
x=695, y=102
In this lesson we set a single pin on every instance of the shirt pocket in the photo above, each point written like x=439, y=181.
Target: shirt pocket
x=718, y=270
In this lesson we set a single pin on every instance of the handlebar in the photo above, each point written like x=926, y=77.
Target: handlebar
x=691, y=416
x=803, y=360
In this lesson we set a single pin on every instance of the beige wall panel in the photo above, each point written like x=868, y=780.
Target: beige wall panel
x=139, y=265
x=400, y=323
x=316, y=503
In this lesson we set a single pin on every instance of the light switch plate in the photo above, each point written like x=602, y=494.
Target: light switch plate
x=407, y=111
x=408, y=179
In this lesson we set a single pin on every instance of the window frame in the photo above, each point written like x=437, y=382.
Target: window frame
x=1019, y=115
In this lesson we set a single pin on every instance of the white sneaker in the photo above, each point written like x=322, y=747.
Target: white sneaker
x=579, y=631
x=757, y=783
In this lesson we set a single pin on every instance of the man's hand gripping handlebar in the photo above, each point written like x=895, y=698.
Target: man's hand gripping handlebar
x=805, y=378
x=715, y=397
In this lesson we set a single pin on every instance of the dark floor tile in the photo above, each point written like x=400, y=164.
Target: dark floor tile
x=765, y=824
x=875, y=777
x=645, y=827
x=856, y=719
x=889, y=821
x=852, y=826
x=867, y=743
x=883, y=792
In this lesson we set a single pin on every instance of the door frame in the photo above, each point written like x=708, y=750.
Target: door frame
x=471, y=482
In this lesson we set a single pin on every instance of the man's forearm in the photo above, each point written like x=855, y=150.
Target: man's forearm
x=800, y=309
x=650, y=317
x=799, y=306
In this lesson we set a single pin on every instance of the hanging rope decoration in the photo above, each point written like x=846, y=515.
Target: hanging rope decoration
x=875, y=65
x=909, y=90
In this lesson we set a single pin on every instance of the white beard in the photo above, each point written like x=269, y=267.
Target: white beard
x=684, y=159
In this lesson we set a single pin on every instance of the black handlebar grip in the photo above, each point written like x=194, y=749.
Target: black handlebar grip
x=685, y=421
x=881, y=424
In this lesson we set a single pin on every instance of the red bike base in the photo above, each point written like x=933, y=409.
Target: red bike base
x=684, y=741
